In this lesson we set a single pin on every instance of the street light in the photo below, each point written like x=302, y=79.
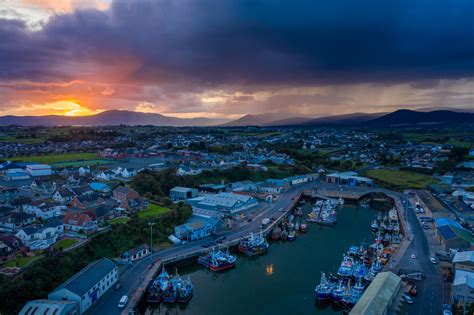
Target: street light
x=151, y=235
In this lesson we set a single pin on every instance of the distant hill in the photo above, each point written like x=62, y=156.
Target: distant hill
x=343, y=120
x=257, y=119
x=109, y=118
x=404, y=117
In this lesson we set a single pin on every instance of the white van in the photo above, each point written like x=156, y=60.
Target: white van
x=123, y=301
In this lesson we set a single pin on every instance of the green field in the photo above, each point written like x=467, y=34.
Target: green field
x=57, y=158
x=400, y=179
x=65, y=243
x=119, y=220
x=153, y=211
x=81, y=163
x=22, y=261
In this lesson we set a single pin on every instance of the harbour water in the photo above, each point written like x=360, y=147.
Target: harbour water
x=282, y=281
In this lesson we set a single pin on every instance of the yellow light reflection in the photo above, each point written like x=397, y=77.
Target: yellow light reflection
x=269, y=270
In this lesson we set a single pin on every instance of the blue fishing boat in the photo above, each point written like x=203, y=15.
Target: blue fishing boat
x=155, y=291
x=253, y=245
x=217, y=261
x=353, y=295
x=338, y=292
x=169, y=291
x=324, y=288
x=360, y=270
x=184, y=291
x=347, y=267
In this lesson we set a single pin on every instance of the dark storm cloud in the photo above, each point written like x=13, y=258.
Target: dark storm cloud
x=266, y=42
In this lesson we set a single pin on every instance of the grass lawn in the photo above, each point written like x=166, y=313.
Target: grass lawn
x=81, y=163
x=119, y=220
x=153, y=211
x=22, y=261
x=58, y=158
x=65, y=243
x=400, y=179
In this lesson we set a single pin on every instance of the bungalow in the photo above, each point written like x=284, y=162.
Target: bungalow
x=79, y=222
x=16, y=220
x=136, y=253
x=46, y=234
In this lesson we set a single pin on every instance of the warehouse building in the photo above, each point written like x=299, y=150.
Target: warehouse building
x=224, y=202
x=380, y=296
x=182, y=193
x=88, y=285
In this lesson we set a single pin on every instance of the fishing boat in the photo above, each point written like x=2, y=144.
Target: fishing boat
x=340, y=201
x=392, y=215
x=169, y=291
x=338, y=292
x=217, y=261
x=346, y=269
x=374, y=226
x=324, y=289
x=292, y=236
x=360, y=270
x=297, y=226
x=284, y=235
x=276, y=233
x=303, y=228
x=155, y=291
x=253, y=245
x=354, y=294
x=184, y=291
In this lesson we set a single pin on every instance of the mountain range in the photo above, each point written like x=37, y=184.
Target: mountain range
x=108, y=118
x=403, y=117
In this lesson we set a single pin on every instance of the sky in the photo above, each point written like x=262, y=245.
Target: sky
x=228, y=58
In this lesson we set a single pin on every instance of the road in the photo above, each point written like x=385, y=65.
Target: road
x=430, y=290
x=132, y=277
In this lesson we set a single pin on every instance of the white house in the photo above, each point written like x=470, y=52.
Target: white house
x=62, y=195
x=105, y=176
x=46, y=233
x=88, y=285
x=43, y=209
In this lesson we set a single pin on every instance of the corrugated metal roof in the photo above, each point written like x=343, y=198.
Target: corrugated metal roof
x=89, y=276
x=378, y=295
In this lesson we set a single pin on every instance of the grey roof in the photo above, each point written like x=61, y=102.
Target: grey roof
x=47, y=307
x=182, y=189
x=32, y=229
x=89, y=276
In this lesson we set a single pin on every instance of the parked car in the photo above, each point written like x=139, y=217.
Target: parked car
x=408, y=299
x=413, y=256
x=433, y=260
x=123, y=301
